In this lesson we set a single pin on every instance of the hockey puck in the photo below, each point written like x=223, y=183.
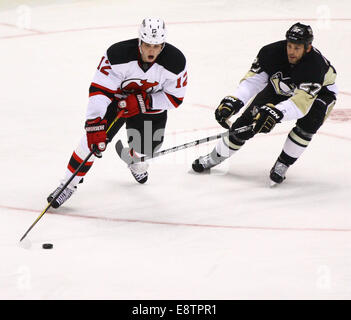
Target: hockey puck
x=47, y=245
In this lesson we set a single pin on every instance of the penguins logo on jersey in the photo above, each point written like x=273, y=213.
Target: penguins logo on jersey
x=281, y=85
x=136, y=86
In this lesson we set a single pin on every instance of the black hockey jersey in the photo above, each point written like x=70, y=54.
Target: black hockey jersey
x=296, y=86
x=121, y=71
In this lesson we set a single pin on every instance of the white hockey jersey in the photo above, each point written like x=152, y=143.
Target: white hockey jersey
x=121, y=72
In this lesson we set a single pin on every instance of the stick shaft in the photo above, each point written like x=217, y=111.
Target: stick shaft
x=188, y=145
x=63, y=188
x=69, y=180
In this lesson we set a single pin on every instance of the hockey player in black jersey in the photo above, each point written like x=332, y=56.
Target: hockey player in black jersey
x=288, y=80
x=143, y=77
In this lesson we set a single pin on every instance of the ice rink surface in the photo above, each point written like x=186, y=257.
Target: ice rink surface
x=224, y=235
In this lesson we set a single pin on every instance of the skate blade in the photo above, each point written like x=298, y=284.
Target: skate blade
x=207, y=171
x=272, y=184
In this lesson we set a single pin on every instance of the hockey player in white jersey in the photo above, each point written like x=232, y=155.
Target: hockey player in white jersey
x=145, y=77
x=289, y=80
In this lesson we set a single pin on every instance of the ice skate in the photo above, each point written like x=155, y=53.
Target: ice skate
x=139, y=171
x=207, y=162
x=277, y=174
x=63, y=197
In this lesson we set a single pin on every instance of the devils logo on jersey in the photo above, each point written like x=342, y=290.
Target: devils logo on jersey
x=136, y=86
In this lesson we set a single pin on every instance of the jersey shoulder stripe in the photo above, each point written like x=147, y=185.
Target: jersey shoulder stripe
x=272, y=55
x=172, y=59
x=278, y=46
x=322, y=62
x=314, y=68
x=123, y=52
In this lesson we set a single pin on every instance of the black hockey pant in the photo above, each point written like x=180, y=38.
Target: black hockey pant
x=145, y=132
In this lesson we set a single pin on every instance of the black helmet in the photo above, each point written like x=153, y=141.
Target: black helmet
x=300, y=33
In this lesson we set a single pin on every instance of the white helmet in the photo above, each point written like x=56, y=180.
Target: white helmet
x=152, y=31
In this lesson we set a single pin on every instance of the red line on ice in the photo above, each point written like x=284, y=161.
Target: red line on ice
x=182, y=224
x=40, y=33
x=14, y=26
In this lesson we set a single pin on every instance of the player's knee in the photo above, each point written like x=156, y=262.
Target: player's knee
x=300, y=135
x=315, y=117
x=310, y=125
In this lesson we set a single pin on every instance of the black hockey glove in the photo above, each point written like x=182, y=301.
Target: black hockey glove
x=228, y=107
x=265, y=118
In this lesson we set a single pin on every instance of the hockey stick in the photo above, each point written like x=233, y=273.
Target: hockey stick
x=124, y=153
x=70, y=179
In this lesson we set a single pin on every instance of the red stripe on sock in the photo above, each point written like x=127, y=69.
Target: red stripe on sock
x=88, y=163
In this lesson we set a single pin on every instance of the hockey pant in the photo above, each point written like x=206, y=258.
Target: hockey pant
x=145, y=133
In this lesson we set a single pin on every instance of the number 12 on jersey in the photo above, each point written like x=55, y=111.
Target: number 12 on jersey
x=184, y=78
x=104, y=68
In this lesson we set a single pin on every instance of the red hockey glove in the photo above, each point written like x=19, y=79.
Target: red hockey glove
x=266, y=117
x=135, y=104
x=96, y=135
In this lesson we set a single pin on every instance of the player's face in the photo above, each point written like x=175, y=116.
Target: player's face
x=149, y=52
x=296, y=51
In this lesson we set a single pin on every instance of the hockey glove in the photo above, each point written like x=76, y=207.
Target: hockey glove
x=96, y=135
x=265, y=118
x=135, y=104
x=228, y=107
